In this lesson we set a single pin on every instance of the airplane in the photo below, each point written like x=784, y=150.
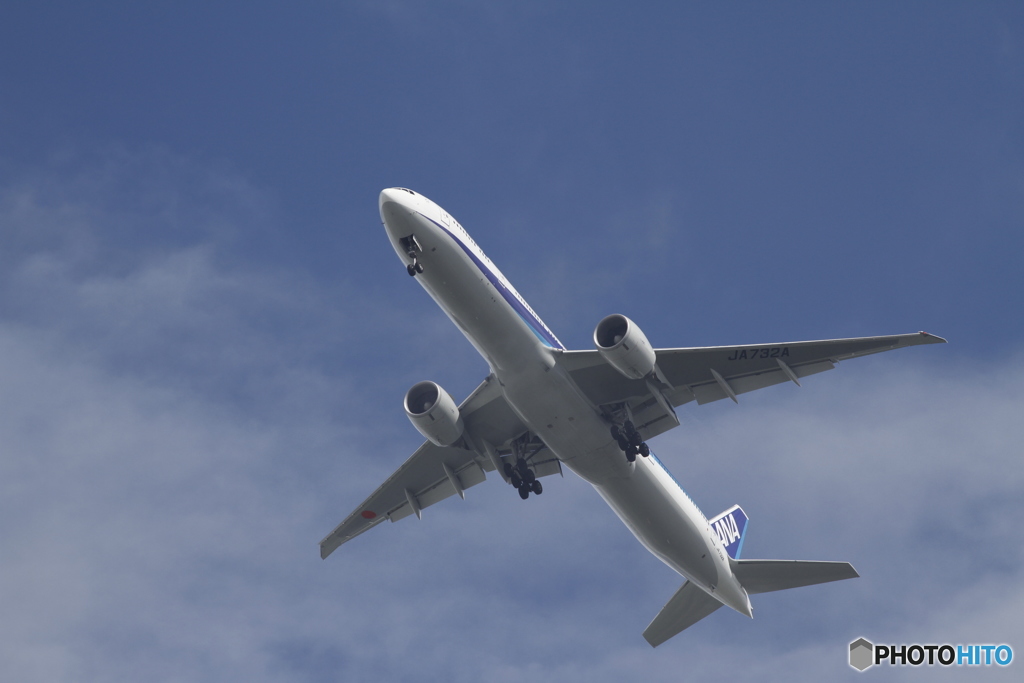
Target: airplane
x=544, y=407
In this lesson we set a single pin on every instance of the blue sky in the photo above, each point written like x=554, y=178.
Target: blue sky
x=206, y=335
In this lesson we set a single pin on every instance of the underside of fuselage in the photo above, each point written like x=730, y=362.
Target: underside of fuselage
x=524, y=358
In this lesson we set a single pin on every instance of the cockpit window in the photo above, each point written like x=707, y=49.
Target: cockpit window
x=403, y=189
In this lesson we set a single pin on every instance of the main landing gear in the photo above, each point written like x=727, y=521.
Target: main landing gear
x=412, y=248
x=630, y=441
x=522, y=477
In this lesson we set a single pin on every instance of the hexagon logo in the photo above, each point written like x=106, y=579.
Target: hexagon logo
x=862, y=654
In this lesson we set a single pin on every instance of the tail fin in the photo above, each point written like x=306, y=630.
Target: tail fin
x=731, y=526
x=765, y=576
x=690, y=604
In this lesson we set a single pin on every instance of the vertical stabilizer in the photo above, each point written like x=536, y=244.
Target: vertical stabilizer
x=731, y=526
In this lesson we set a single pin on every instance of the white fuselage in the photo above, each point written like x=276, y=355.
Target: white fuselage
x=523, y=356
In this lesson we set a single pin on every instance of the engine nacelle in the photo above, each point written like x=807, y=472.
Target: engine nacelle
x=433, y=413
x=624, y=346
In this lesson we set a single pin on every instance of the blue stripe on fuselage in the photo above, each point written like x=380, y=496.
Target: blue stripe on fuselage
x=535, y=324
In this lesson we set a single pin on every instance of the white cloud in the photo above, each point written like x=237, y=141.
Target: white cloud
x=177, y=432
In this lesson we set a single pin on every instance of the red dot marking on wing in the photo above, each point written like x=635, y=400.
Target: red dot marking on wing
x=367, y=514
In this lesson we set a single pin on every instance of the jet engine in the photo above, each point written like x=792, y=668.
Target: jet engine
x=624, y=346
x=433, y=413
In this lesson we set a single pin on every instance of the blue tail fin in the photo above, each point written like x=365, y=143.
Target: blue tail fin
x=731, y=526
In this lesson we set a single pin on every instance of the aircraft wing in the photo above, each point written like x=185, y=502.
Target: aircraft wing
x=434, y=473
x=711, y=373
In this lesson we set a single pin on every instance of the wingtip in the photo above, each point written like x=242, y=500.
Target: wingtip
x=932, y=338
x=328, y=546
x=652, y=639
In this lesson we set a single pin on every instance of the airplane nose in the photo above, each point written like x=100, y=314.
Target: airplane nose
x=400, y=196
x=388, y=195
x=395, y=203
x=398, y=208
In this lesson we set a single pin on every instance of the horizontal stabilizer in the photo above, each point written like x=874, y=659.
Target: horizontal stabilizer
x=689, y=605
x=765, y=576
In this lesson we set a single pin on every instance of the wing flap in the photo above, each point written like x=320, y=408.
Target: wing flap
x=424, y=476
x=470, y=475
x=742, y=368
x=487, y=417
x=742, y=384
x=692, y=366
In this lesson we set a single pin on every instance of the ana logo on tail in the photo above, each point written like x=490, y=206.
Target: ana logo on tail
x=730, y=527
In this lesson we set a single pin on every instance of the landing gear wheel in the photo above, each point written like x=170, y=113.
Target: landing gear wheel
x=623, y=444
x=616, y=434
x=529, y=477
x=631, y=454
x=536, y=487
x=517, y=481
x=411, y=269
x=419, y=267
x=645, y=450
x=524, y=492
x=508, y=470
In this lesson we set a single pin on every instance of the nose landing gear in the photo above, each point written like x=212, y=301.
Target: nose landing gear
x=412, y=248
